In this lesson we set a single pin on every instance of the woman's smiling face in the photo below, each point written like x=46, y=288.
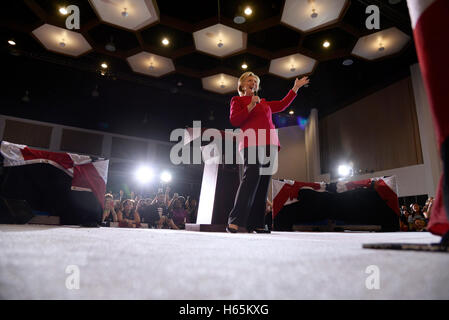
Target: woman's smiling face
x=250, y=83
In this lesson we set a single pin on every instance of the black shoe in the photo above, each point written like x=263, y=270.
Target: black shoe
x=231, y=230
x=258, y=230
x=91, y=224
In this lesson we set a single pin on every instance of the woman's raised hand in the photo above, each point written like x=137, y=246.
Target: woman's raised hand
x=300, y=82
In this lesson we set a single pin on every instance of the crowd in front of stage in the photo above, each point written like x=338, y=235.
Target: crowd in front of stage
x=160, y=212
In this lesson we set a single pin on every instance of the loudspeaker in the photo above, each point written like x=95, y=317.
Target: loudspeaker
x=14, y=211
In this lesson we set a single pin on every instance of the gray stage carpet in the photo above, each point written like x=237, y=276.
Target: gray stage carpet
x=122, y=263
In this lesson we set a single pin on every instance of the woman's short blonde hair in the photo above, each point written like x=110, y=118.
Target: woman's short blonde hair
x=243, y=77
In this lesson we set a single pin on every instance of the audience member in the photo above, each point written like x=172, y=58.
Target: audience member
x=192, y=209
x=128, y=216
x=109, y=214
x=177, y=213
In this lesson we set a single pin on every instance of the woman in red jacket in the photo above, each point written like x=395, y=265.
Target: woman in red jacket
x=252, y=114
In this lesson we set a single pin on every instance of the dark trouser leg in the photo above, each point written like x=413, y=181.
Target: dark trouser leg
x=245, y=195
x=256, y=219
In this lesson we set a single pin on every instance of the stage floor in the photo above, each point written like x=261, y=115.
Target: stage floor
x=117, y=263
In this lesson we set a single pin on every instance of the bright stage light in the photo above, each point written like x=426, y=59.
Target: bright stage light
x=166, y=176
x=144, y=174
x=344, y=170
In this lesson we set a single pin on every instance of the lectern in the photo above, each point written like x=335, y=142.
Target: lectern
x=218, y=188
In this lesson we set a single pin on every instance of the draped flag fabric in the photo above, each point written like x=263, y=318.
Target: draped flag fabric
x=286, y=192
x=370, y=202
x=430, y=22
x=82, y=172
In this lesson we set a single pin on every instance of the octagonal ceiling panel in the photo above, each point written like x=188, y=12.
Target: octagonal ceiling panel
x=292, y=66
x=219, y=40
x=61, y=40
x=150, y=64
x=381, y=44
x=128, y=14
x=220, y=83
x=307, y=15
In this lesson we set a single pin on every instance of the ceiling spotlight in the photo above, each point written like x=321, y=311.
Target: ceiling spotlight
x=220, y=44
x=104, y=65
x=248, y=11
x=222, y=85
x=151, y=67
x=326, y=44
x=165, y=176
x=244, y=66
x=62, y=43
x=165, y=41
x=381, y=47
x=63, y=11
x=291, y=112
x=144, y=174
x=314, y=14
x=103, y=72
x=348, y=62
x=344, y=170
x=293, y=69
x=12, y=42
x=239, y=19
x=124, y=13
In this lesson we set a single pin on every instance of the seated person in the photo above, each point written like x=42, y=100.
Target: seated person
x=109, y=214
x=127, y=216
x=160, y=204
x=149, y=215
x=178, y=214
x=191, y=206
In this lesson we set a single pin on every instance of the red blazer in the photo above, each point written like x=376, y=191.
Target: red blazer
x=259, y=118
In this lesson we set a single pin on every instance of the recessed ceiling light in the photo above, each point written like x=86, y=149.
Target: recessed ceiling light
x=239, y=19
x=104, y=65
x=291, y=112
x=63, y=11
x=293, y=69
x=12, y=42
x=326, y=44
x=62, y=43
x=124, y=13
x=220, y=44
x=248, y=11
x=244, y=66
x=348, y=62
x=165, y=41
x=314, y=14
